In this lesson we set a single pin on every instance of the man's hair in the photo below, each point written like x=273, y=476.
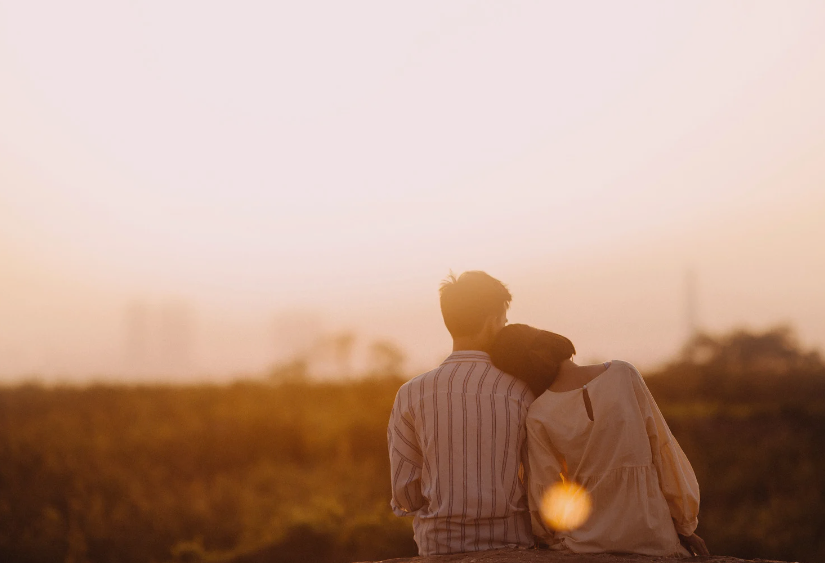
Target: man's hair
x=531, y=354
x=467, y=301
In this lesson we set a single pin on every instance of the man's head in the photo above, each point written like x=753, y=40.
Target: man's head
x=474, y=306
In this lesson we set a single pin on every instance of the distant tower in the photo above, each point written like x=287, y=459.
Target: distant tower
x=691, y=304
x=175, y=337
x=137, y=333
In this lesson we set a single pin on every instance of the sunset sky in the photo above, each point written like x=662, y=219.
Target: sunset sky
x=277, y=171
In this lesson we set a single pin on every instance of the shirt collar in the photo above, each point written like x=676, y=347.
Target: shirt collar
x=468, y=356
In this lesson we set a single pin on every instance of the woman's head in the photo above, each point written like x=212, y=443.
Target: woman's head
x=531, y=354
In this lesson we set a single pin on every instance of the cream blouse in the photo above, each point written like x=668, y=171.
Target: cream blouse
x=642, y=486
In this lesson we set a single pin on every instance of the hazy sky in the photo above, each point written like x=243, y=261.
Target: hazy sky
x=250, y=162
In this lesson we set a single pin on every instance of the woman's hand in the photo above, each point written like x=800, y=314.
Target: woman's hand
x=694, y=544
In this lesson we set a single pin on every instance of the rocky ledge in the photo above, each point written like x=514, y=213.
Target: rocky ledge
x=546, y=556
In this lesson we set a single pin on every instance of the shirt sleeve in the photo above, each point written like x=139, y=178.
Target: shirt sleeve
x=676, y=477
x=544, y=470
x=405, y=460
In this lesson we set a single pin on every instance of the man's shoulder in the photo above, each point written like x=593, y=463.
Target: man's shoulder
x=415, y=384
x=490, y=379
x=418, y=379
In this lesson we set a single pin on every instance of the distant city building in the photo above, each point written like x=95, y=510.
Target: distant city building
x=295, y=334
x=158, y=339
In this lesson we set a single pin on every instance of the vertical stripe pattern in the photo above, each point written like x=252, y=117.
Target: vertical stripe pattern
x=456, y=440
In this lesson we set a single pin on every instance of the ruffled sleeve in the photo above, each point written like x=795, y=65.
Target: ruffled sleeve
x=676, y=477
x=543, y=470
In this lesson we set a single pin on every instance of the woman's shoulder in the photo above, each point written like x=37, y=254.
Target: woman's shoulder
x=632, y=382
x=626, y=368
x=624, y=374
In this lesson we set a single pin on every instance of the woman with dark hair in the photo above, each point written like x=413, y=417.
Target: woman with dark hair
x=598, y=426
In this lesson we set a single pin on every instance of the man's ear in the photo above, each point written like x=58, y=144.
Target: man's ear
x=484, y=329
x=490, y=323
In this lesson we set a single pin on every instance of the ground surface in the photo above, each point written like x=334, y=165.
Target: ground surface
x=545, y=556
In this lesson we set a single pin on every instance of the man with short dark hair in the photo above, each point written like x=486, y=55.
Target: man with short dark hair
x=457, y=433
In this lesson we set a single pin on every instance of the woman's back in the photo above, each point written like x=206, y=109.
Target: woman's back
x=616, y=444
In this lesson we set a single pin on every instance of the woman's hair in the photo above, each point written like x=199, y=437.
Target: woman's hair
x=531, y=354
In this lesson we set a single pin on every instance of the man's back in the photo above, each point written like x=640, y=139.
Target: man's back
x=457, y=438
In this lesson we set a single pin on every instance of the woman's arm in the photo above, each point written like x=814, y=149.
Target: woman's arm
x=676, y=477
x=543, y=469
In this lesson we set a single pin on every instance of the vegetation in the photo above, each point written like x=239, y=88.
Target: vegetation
x=294, y=470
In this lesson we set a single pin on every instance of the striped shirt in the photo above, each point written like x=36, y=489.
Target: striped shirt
x=457, y=442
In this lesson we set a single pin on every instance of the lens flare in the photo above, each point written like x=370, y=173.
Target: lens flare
x=565, y=506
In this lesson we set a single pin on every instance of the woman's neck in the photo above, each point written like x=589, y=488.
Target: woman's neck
x=572, y=376
x=567, y=367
